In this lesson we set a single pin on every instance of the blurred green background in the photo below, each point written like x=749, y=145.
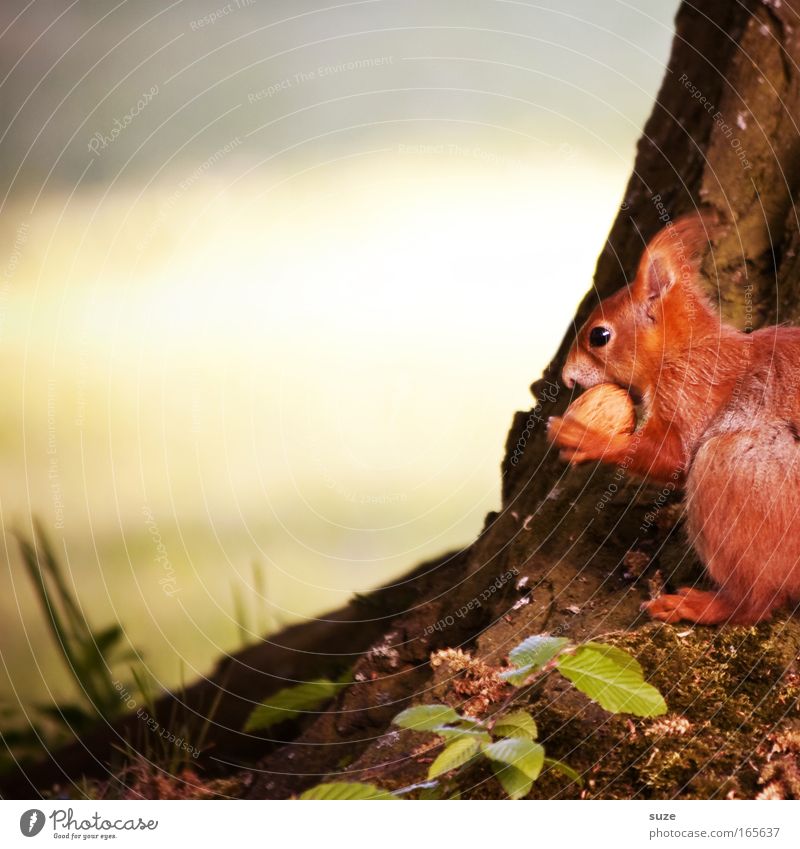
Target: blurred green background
x=275, y=278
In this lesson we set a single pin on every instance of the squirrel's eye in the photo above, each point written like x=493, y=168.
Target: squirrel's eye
x=599, y=336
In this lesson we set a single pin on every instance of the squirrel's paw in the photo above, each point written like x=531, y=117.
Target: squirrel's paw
x=565, y=432
x=573, y=455
x=577, y=442
x=667, y=608
x=700, y=606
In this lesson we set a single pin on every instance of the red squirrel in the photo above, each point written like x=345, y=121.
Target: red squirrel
x=721, y=418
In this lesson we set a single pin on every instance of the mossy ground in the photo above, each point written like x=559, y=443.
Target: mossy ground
x=730, y=691
x=731, y=730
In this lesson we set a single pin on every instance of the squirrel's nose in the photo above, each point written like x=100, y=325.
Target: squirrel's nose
x=578, y=372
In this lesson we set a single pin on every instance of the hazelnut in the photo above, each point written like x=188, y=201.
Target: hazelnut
x=606, y=408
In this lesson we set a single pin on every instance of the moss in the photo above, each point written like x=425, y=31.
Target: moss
x=727, y=690
x=734, y=701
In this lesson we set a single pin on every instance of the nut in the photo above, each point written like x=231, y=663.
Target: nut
x=606, y=408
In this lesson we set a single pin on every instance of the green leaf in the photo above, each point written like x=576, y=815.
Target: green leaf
x=450, y=733
x=536, y=651
x=524, y=755
x=619, y=656
x=106, y=640
x=516, y=724
x=455, y=755
x=513, y=780
x=618, y=688
x=517, y=677
x=340, y=790
x=564, y=769
x=291, y=701
x=426, y=717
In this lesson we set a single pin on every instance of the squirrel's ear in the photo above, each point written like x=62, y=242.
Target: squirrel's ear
x=674, y=254
x=657, y=276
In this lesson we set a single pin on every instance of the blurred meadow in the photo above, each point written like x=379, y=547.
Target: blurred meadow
x=273, y=280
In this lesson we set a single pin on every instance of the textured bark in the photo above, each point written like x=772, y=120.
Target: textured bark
x=557, y=557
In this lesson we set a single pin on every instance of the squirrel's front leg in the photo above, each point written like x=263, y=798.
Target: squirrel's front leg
x=653, y=452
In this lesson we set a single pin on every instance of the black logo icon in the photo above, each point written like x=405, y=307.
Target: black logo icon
x=31, y=822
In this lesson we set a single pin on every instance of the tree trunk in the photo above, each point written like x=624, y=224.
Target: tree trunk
x=567, y=551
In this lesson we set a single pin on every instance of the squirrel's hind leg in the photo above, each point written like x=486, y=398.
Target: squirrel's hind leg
x=743, y=512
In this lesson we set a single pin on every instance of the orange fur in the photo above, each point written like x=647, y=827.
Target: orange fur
x=721, y=418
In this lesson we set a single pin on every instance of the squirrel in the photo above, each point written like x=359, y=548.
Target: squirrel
x=720, y=418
